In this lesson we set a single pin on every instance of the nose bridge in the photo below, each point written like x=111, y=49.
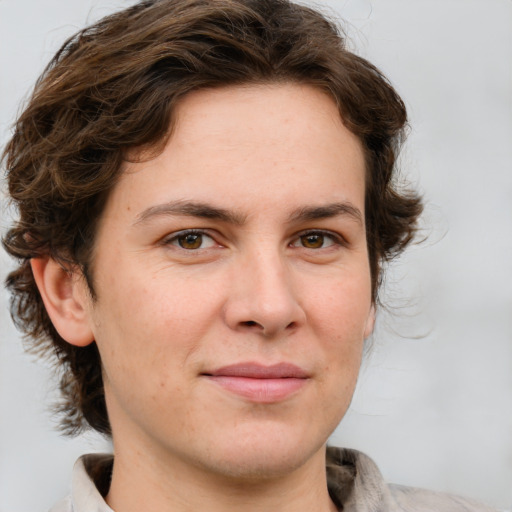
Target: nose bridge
x=264, y=297
x=271, y=279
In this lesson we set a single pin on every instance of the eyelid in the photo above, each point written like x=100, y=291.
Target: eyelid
x=171, y=237
x=167, y=240
x=337, y=238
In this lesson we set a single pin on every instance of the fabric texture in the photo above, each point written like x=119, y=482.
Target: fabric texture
x=354, y=481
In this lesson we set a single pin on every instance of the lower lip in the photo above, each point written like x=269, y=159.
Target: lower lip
x=260, y=390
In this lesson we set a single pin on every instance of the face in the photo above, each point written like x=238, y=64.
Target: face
x=233, y=284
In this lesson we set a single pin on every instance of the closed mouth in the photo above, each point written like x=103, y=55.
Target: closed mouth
x=259, y=383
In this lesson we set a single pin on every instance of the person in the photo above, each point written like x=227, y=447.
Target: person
x=206, y=201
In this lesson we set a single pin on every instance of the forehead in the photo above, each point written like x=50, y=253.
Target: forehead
x=233, y=143
x=262, y=117
x=278, y=106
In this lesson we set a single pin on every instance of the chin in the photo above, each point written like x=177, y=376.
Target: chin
x=264, y=455
x=260, y=467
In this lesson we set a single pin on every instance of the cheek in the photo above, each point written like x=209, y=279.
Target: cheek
x=145, y=318
x=339, y=317
x=342, y=305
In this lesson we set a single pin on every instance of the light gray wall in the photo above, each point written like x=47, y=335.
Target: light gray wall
x=434, y=402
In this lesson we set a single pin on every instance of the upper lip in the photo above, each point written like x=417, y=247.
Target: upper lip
x=252, y=370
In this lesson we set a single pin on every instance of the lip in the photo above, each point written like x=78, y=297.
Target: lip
x=260, y=383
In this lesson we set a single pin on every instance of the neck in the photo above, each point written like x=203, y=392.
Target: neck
x=148, y=483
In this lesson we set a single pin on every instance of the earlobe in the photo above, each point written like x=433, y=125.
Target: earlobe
x=370, y=322
x=64, y=298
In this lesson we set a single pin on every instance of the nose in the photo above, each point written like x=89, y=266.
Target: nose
x=264, y=297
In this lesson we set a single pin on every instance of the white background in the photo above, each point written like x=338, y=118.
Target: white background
x=434, y=402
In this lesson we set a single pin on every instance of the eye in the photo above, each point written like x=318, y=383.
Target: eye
x=191, y=240
x=316, y=240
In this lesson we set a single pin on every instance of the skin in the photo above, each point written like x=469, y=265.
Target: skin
x=276, y=271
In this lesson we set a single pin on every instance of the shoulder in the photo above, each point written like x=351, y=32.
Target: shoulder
x=90, y=482
x=421, y=500
x=356, y=483
x=63, y=506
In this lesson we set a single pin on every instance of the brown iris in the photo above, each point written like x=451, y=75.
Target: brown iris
x=191, y=241
x=312, y=241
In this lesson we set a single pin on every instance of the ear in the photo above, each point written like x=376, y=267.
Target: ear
x=65, y=297
x=370, y=322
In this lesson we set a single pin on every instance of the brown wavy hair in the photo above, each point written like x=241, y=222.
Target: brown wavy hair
x=113, y=87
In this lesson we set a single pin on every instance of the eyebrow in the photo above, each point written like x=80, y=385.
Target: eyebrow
x=327, y=211
x=207, y=211
x=191, y=209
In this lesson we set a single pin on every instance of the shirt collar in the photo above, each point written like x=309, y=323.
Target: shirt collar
x=354, y=482
x=91, y=473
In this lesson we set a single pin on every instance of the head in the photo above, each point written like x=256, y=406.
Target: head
x=112, y=97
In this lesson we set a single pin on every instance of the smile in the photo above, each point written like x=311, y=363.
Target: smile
x=258, y=383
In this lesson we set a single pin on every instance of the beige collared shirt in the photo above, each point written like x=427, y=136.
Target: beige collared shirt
x=354, y=481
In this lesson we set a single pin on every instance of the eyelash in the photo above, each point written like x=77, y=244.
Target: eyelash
x=182, y=234
x=337, y=240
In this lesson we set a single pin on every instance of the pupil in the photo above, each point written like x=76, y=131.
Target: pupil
x=191, y=241
x=313, y=241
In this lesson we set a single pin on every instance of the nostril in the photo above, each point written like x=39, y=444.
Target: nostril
x=252, y=325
